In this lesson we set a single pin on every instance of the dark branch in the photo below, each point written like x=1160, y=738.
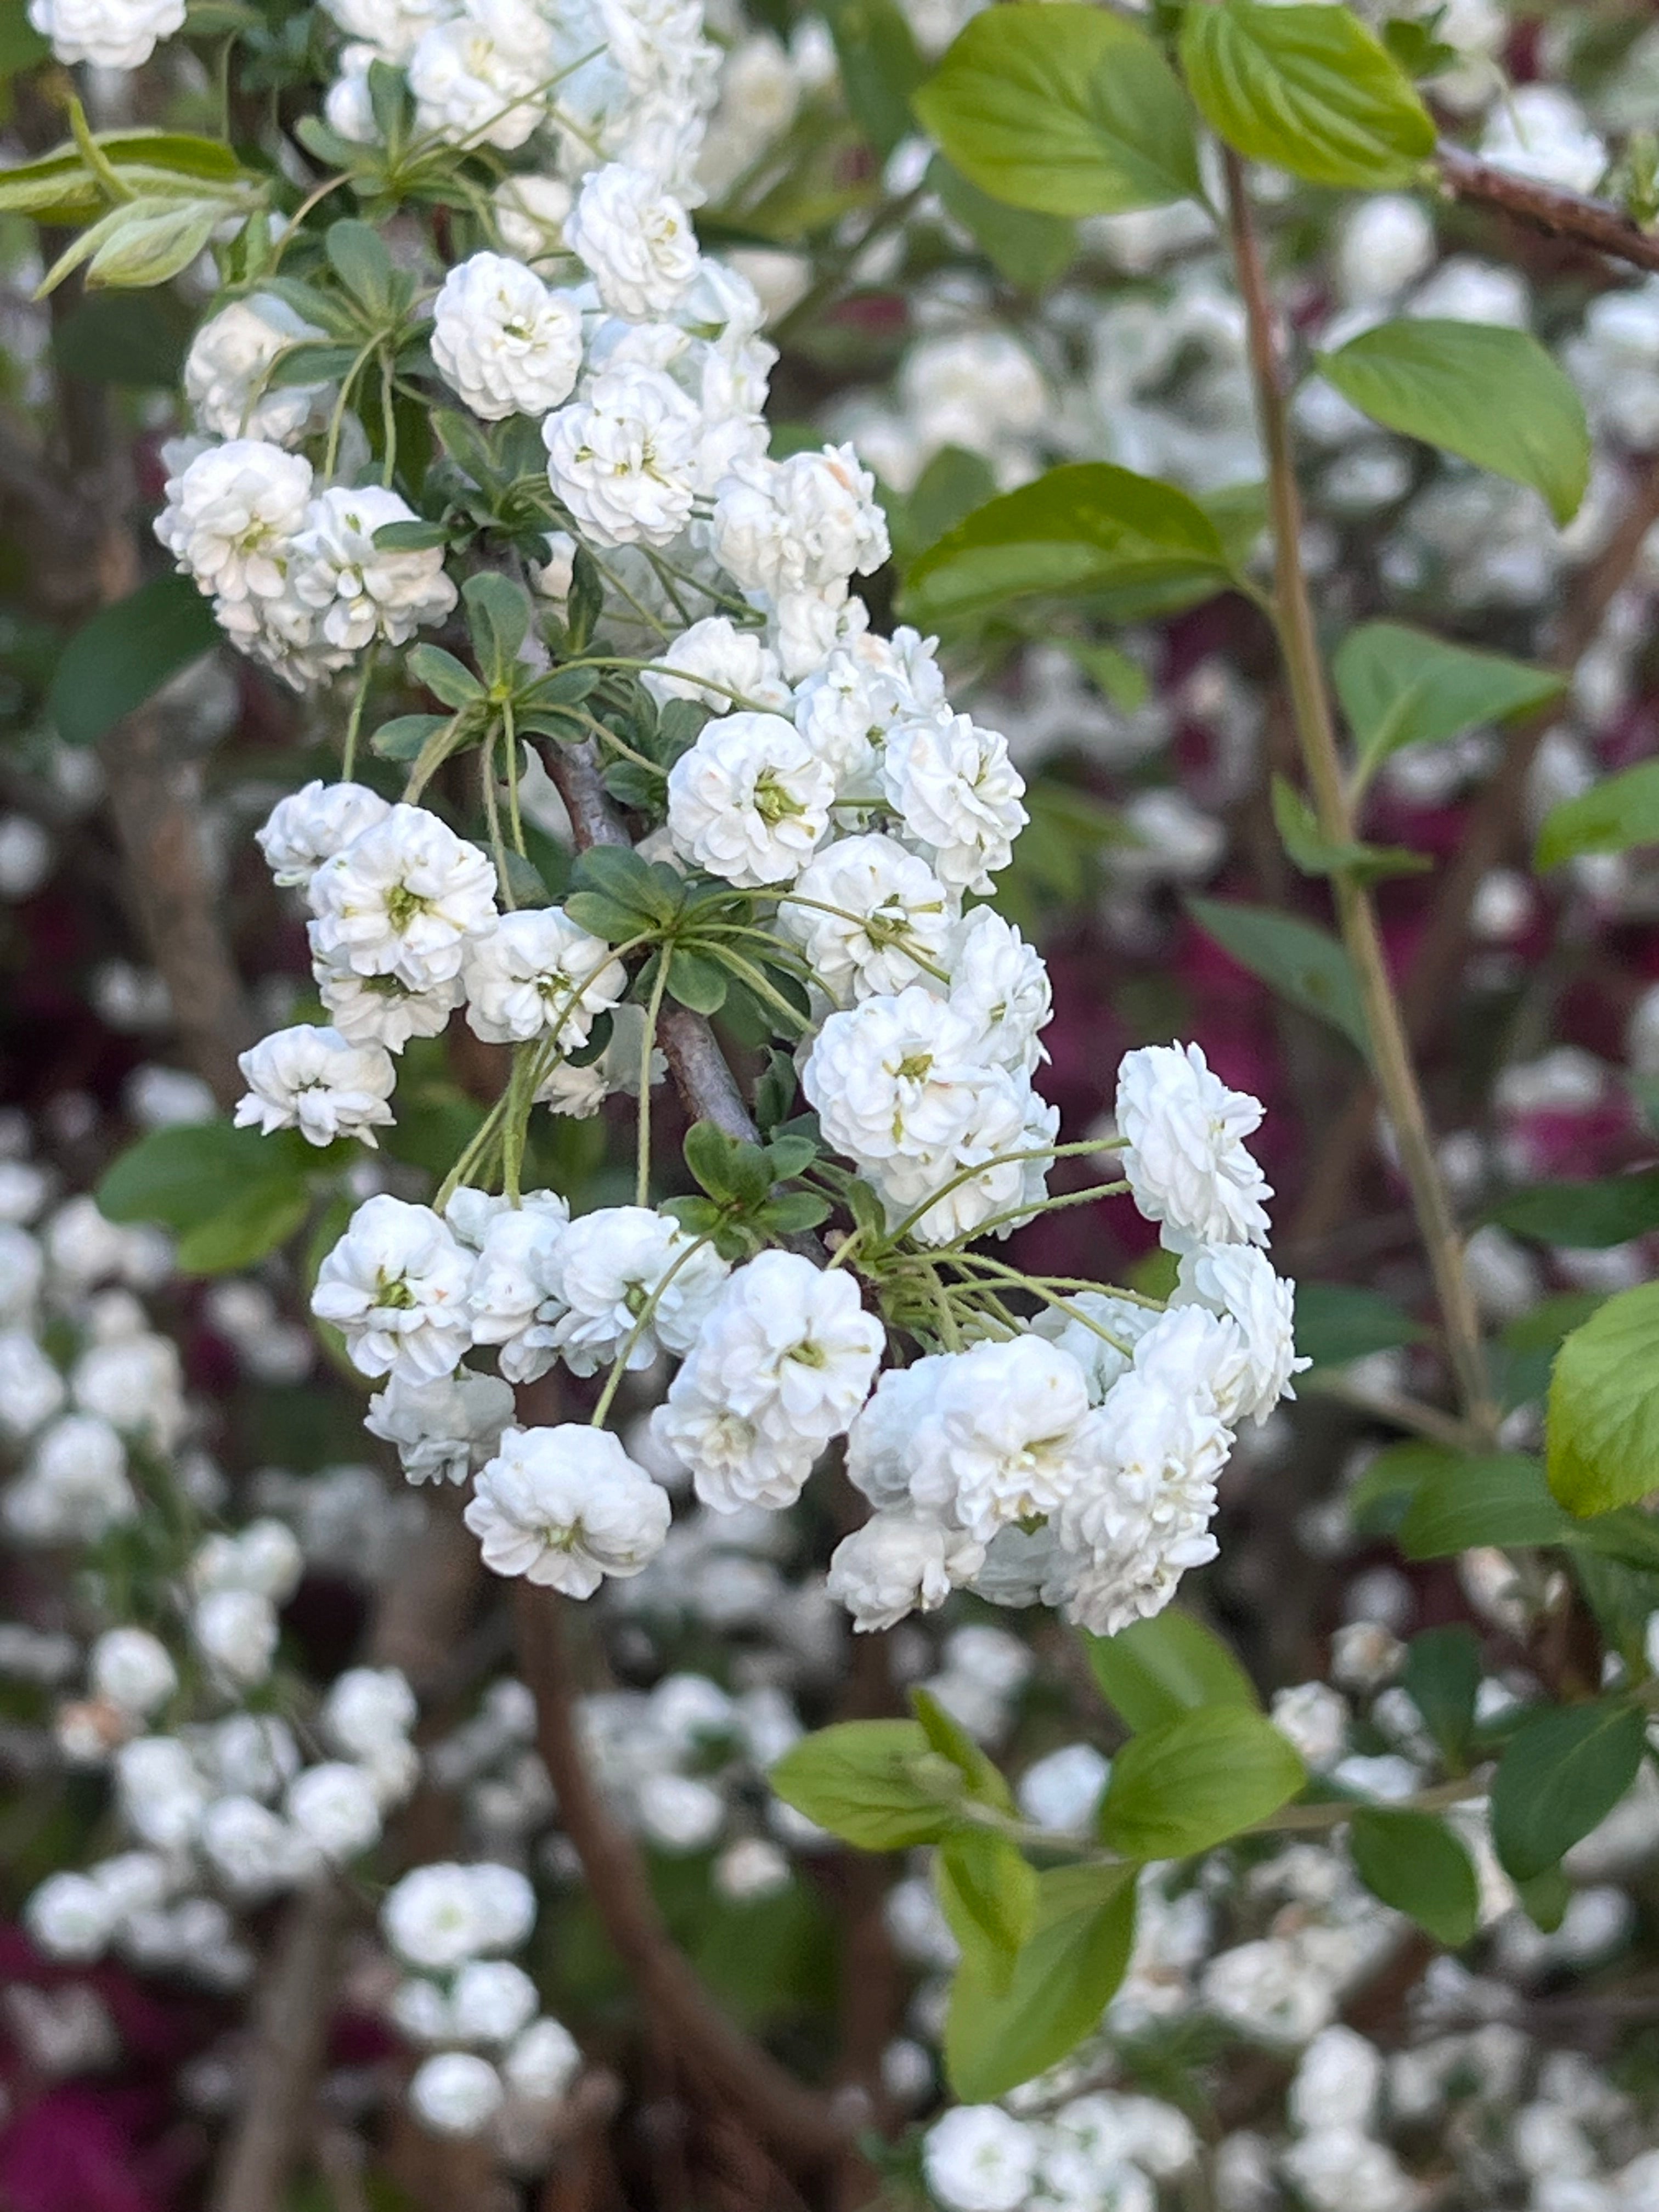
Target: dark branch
x=1595, y=224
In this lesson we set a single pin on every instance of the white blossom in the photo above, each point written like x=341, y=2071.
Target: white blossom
x=314, y=824
x=445, y=1430
x=719, y=667
x=542, y=2062
x=897, y=1563
x=733, y=1459
x=565, y=1507
x=334, y=1806
x=235, y=1632
x=610, y=1266
x=999, y=982
x=111, y=35
x=456, y=2093
x=74, y=1487
x=381, y=1009
x=314, y=1081
x=403, y=899
x=506, y=342
x=513, y=1301
x=491, y=2001
x=233, y=516
x=871, y=918
x=440, y=1915
x=749, y=801
x=530, y=215
x=957, y=795
x=396, y=1286
x=1184, y=1155
x=1237, y=1281
x=895, y=1077
x=478, y=76
x=360, y=592
x=800, y=524
x=978, y=2159
x=227, y=368
x=133, y=1670
x=70, y=1917
x=1009, y=1434
x=623, y=459
x=31, y=1387
x=636, y=242
x=537, y=974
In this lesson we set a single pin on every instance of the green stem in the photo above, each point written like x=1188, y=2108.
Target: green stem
x=648, y=1312
x=649, y=1045
x=354, y=721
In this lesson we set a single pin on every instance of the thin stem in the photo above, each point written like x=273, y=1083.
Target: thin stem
x=647, y=1045
x=514, y=817
x=1012, y=1159
x=348, y=756
x=1391, y=1056
x=618, y=1366
x=493, y=817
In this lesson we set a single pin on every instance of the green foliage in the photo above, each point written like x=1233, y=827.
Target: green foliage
x=1583, y=1217
x=1442, y=1675
x=66, y=187
x=1314, y=854
x=989, y=1895
x=740, y=1211
x=617, y=896
x=880, y=67
x=1303, y=964
x=134, y=339
x=876, y=1783
x=125, y=653
x=1308, y=88
x=1400, y=686
x=1089, y=528
x=1604, y=1426
x=229, y=1195
x=1026, y=248
x=1501, y=1499
x=1613, y=817
x=498, y=615
x=1155, y=1670
x=1336, y=1322
x=1065, y=1975
x=1562, y=1772
x=1415, y=1863
x=1064, y=110
x=1196, y=1780
x=947, y=1737
x=1492, y=395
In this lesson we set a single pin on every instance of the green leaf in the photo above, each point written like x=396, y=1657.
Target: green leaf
x=1491, y=394
x=696, y=981
x=1336, y=1322
x=1314, y=855
x=1614, y=815
x=1305, y=964
x=1027, y=249
x=1307, y=88
x=1544, y=1898
x=653, y=895
x=446, y=678
x=137, y=340
x=1603, y=1422
x=1415, y=1863
x=1562, y=1772
x=1583, y=1217
x=880, y=67
x=360, y=261
x=1400, y=686
x=1195, y=1781
x=151, y=240
x=498, y=621
x=1442, y=1675
x=1500, y=1499
x=406, y=537
x=259, y=1219
x=1379, y=1501
x=183, y=1175
x=125, y=653
x=868, y=1783
x=984, y=1780
x=1088, y=527
x=1155, y=1670
x=1062, y=109
x=21, y=45
x=404, y=737
x=988, y=1894
x=1063, y=1979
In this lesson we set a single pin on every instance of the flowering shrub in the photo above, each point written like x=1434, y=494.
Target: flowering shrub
x=750, y=582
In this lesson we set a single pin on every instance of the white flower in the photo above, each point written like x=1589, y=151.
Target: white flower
x=482, y=75
x=565, y=1507
x=253, y=1851
x=70, y=1917
x=897, y=1563
x=530, y=215
x=396, y=1285
x=977, y=2159
x=508, y=344
x=895, y=1077
x=1313, y=1717
x=403, y=899
x=800, y=524
x=512, y=1300
x=878, y=1454
x=226, y=370
x=806, y=627
x=75, y=1487
x=957, y=794
x=609, y=1267
x=132, y=1669
x=440, y=1916
x=361, y=593
x=367, y=1709
x=713, y=661
x=113, y=34
x=535, y=975
x=542, y=2062
x=1007, y=1136
x=232, y=518
x=789, y=1346
x=1100, y=1332
x=1184, y=1154
x=235, y=1632
x=1237, y=1282
x=392, y=27
x=136, y=1383
x=623, y=458
x=456, y=2093
x=265, y=1559
x=636, y=240
x=1540, y=130
x=1008, y=1435
x=314, y=824
x=31, y=1389
x=334, y=1807
x=312, y=1080
x=751, y=800
x=379, y=1009
x=999, y=982
x=733, y=1459
x=880, y=918
x=162, y=1792
x=491, y=2001
x=443, y=1431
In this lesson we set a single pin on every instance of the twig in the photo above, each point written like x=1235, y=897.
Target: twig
x=1391, y=1055
x=1596, y=223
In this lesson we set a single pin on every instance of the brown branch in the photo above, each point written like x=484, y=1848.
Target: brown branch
x=803, y=2127
x=1595, y=224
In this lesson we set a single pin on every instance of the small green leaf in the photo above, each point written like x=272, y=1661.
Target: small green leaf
x=259, y=1219
x=1415, y=1863
x=1400, y=686
x=1502, y=1500
x=1336, y=1322
x=1491, y=394
x=498, y=615
x=655, y=894
x=1155, y=1670
x=1613, y=817
x=446, y=678
x=1063, y=1979
x=184, y=1175
x=1603, y=1423
x=1026, y=248
x=988, y=1894
x=1305, y=964
x=1194, y=1782
x=125, y=653
x=360, y=261
x=696, y=981
x=1442, y=1675
x=1086, y=528
x=135, y=339
x=1583, y=1217
x=1063, y=109
x=1379, y=1501
x=1562, y=1772
x=880, y=67
x=1316, y=856
x=984, y=1780
x=150, y=241
x=1307, y=88
x=405, y=736
x=867, y=1782
x=411, y=536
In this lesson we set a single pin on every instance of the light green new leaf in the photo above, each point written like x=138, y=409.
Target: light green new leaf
x=1562, y=1772
x=1336, y=1322
x=1400, y=686
x=150, y=241
x=125, y=653
x=1027, y=248
x=869, y=1783
x=1602, y=1432
x=1062, y=109
x=1415, y=1863
x=1315, y=855
x=1309, y=89
x=982, y=1777
x=1155, y=1670
x=1196, y=1781
x=1063, y=1979
x=988, y=1894
x=1615, y=815
x=1491, y=394
x=1305, y=964
x=1089, y=527
x=880, y=67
